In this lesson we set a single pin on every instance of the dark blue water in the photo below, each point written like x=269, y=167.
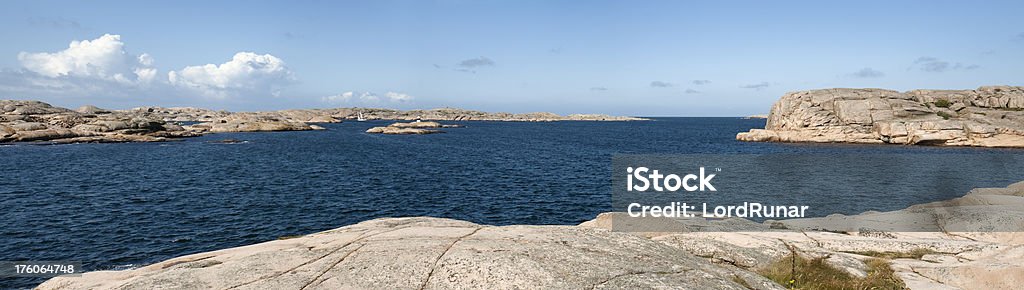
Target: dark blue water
x=122, y=205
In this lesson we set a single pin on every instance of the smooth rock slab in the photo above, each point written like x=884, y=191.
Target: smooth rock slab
x=432, y=253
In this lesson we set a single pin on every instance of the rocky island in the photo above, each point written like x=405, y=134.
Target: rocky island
x=25, y=121
x=990, y=116
x=417, y=128
x=433, y=253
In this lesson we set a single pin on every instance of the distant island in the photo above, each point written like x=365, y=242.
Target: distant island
x=24, y=121
x=990, y=116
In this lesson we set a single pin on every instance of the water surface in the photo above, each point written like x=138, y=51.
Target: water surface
x=121, y=205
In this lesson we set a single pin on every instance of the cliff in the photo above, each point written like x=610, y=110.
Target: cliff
x=991, y=116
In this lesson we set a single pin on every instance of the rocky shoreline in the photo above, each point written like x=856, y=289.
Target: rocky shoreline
x=990, y=116
x=434, y=253
x=28, y=121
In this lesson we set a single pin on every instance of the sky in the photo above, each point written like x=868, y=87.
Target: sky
x=639, y=58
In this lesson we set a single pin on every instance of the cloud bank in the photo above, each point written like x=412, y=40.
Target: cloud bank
x=366, y=98
x=103, y=58
x=103, y=67
x=245, y=72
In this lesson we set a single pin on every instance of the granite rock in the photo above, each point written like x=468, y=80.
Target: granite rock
x=990, y=116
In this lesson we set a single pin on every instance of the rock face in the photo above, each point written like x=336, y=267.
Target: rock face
x=990, y=116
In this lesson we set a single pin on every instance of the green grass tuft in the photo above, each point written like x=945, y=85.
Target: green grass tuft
x=913, y=254
x=796, y=272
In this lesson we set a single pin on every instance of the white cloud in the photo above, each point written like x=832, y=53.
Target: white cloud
x=246, y=72
x=398, y=97
x=366, y=98
x=339, y=98
x=103, y=58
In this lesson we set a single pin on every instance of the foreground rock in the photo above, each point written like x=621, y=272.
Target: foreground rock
x=431, y=253
x=972, y=242
x=987, y=117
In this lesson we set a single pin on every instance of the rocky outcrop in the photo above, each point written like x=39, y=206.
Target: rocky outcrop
x=987, y=117
x=338, y=114
x=432, y=253
x=452, y=114
x=23, y=121
x=181, y=114
x=416, y=128
x=250, y=122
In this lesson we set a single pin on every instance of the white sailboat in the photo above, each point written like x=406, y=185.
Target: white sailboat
x=360, y=118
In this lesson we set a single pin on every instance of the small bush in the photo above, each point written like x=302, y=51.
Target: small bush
x=941, y=103
x=796, y=272
x=944, y=115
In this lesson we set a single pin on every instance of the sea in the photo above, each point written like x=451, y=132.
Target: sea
x=120, y=206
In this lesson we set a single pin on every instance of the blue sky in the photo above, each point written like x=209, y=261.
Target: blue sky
x=649, y=58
